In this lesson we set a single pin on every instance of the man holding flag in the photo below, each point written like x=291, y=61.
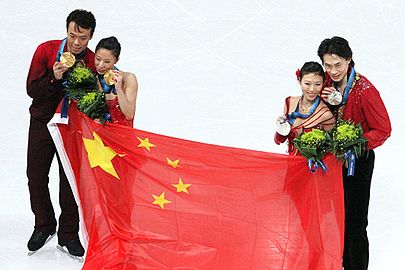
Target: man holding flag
x=45, y=85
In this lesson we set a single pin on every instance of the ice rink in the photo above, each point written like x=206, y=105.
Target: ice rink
x=214, y=71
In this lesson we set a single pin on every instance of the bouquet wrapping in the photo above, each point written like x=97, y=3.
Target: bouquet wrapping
x=313, y=145
x=348, y=143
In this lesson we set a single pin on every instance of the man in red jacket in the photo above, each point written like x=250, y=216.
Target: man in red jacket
x=362, y=104
x=45, y=85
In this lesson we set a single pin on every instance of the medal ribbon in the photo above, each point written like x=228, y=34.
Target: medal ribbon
x=314, y=164
x=296, y=114
x=65, y=100
x=351, y=162
x=348, y=87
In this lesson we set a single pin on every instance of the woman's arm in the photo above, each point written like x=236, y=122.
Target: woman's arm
x=278, y=138
x=127, y=91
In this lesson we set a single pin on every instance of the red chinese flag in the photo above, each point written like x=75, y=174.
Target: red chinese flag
x=150, y=201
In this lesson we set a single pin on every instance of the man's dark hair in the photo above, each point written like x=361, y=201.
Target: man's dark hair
x=111, y=44
x=83, y=19
x=335, y=45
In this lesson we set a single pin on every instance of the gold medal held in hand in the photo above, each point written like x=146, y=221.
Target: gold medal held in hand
x=109, y=77
x=68, y=59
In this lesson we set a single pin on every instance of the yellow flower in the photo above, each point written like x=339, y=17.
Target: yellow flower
x=346, y=132
x=313, y=138
x=88, y=99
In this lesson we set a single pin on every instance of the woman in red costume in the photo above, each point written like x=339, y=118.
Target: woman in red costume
x=122, y=92
x=362, y=104
x=301, y=114
x=305, y=112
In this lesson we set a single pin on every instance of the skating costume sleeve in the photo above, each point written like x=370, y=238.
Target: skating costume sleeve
x=278, y=138
x=377, y=119
x=366, y=107
x=41, y=82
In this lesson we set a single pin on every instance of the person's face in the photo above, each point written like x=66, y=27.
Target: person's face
x=104, y=60
x=311, y=85
x=336, y=66
x=77, y=38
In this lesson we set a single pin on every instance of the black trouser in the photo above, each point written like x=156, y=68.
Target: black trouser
x=357, y=197
x=41, y=151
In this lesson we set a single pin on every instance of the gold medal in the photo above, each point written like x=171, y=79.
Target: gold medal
x=67, y=59
x=109, y=77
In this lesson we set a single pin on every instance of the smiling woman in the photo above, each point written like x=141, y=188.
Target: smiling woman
x=306, y=112
x=120, y=88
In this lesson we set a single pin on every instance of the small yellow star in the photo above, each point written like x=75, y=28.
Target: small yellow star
x=181, y=187
x=99, y=154
x=160, y=200
x=174, y=164
x=145, y=143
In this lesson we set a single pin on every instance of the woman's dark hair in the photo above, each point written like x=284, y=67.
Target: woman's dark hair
x=335, y=45
x=111, y=44
x=311, y=67
x=83, y=19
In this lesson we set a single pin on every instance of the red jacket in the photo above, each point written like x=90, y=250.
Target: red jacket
x=46, y=92
x=365, y=106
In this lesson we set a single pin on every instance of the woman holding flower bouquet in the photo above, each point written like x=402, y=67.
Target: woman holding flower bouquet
x=306, y=118
x=353, y=98
x=306, y=112
x=120, y=88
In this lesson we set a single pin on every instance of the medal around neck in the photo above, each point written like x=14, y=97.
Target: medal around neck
x=109, y=77
x=335, y=98
x=68, y=59
x=283, y=128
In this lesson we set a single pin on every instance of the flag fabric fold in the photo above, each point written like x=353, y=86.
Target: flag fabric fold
x=150, y=201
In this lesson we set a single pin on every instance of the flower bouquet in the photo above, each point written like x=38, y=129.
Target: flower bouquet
x=348, y=143
x=313, y=145
x=93, y=105
x=80, y=81
x=82, y=87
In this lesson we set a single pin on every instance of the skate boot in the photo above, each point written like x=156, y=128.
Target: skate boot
x=38, y=240
x=73, y=247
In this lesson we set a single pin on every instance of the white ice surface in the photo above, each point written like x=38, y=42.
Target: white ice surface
x=214, y=71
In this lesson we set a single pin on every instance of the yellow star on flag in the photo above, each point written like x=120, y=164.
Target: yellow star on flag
x=145, y=143
x=174, y=164
x=100, y=155
x=160, y=200
x=181, y=187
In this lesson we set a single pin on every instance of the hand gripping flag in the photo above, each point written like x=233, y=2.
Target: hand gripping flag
x=150, y=201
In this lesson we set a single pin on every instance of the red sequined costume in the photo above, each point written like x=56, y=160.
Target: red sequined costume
x=117, y=116
x=321, y=118
x=364, y=106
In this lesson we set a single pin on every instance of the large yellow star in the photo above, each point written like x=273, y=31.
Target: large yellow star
x=160, y=200
x=174, y=164
x=145, y=143
x=100, y=155
x=181, y=187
